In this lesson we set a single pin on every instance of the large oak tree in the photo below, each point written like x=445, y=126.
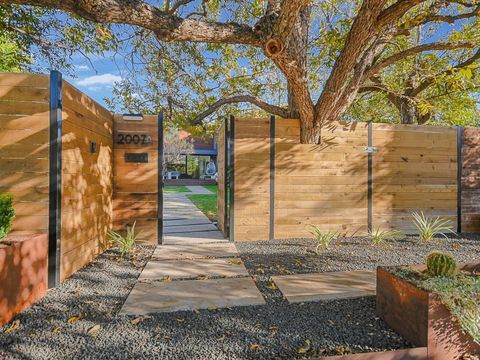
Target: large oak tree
x=360, y=44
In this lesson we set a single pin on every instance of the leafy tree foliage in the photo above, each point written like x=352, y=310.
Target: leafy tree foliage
x=410, y=61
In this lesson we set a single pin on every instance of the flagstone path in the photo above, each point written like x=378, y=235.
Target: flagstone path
x=195, y=268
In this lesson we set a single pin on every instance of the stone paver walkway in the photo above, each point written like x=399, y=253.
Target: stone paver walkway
x=196, y=268
x=326, y=286
x=184, y=223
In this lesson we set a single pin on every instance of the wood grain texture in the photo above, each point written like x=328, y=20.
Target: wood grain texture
x=136, y=184
x=24, y=144
x=324, y=185
x=87, y=180
x=252, y=164
x=415, y=169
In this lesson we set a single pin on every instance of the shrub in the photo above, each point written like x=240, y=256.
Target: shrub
x=323, y=238
x=439, y=264
x=7, y=214
x=430, y=227
x=379, y=236
x=125, y=243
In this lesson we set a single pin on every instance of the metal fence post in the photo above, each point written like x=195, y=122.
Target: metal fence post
x=55, y=180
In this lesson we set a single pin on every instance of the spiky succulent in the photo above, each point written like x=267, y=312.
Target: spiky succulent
x=439, y=264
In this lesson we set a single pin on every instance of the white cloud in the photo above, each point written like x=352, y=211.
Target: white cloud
x=82, y=67
x=104, y=79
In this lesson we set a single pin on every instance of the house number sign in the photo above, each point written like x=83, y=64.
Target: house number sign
x=137, y=139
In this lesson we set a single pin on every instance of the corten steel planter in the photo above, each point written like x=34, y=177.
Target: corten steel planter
x=421, y=318
x=23, y=273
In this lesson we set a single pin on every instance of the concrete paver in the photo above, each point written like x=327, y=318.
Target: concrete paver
x=148, y=298
x=192, y=268
x=326, y=286
x=199, y=251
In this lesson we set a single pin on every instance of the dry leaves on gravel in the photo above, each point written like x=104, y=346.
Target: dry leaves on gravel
x=94, y=330
x=256, y=347
x=139, y=319
x=14, y=326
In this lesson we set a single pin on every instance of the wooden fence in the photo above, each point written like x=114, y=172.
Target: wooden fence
x=64, y=164
x=361, y=176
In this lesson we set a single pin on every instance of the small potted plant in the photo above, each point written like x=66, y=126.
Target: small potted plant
x=436, y=305
x=23, y=265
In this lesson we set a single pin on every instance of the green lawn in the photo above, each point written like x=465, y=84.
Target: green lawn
x=212, y=188
x=207, y=204
x=177, y=189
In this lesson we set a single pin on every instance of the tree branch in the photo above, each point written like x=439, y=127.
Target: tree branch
x=376, y=68
x=166, y=26
x=272, y=109
x=289, y=11
x=430, y=80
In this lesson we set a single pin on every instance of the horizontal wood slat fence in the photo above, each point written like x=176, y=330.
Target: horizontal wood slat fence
x=361, y=176
x=58, y=159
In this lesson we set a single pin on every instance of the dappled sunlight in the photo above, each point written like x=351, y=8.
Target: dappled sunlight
x=24, y=146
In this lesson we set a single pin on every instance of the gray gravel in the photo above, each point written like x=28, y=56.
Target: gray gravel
x=268, y=258
x=277, y=330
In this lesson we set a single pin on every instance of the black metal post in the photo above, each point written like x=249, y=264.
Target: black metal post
x=225, y=179
x=369, y=178
x=271, y=234
x=231, y=168
x=160, y=180
x=55, y=180
x=459, y=177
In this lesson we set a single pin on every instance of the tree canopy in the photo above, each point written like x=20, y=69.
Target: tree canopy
x=412, y=61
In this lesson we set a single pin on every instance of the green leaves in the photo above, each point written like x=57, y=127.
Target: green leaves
x=7, y=214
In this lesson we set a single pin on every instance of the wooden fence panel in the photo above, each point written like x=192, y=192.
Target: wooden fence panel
x=136, y=184
x=251, y=180
x=24, y=146
x=415, y=169
x=324, y=185
x=221, y=162
x=471, y=180
x=87, y=180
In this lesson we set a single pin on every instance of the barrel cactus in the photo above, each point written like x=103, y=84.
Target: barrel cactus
x=439, y=264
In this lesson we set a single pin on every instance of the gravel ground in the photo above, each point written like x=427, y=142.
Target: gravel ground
x=79, y=319
x=268, y=258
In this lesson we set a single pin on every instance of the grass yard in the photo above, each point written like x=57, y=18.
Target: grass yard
x=176, y=189
x=212, y=188
x=207, y=203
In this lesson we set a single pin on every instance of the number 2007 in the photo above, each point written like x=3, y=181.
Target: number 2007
x=134, y=139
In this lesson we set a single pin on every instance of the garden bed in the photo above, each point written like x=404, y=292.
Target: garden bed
x=421, y=316
x=79, y=319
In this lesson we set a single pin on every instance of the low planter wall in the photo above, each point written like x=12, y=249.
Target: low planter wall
x=421, y=318
x=23, y=273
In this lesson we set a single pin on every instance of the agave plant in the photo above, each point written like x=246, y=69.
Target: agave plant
x=429, y=227
x=379, y=236
x=323, y=238
x=125, y=243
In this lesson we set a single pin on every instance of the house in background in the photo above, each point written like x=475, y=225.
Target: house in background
x=191, y=168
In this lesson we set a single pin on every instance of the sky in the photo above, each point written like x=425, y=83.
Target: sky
x=97, y=76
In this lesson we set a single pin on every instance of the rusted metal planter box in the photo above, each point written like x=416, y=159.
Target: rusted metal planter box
x=421, y=318
x=23, y=273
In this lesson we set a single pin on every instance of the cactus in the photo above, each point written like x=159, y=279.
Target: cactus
x=439, y=264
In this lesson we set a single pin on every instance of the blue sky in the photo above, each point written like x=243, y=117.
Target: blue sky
x=97, y=76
